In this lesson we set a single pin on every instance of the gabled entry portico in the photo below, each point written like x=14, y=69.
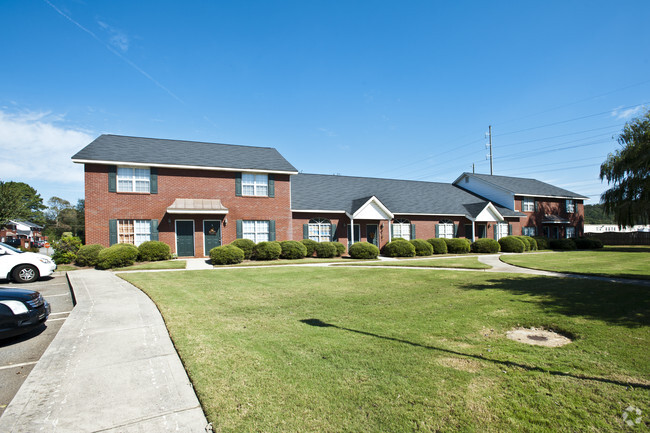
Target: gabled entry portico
x=486, y=217
x=372, y=219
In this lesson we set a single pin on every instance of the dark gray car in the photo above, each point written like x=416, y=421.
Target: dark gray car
x=21, y=311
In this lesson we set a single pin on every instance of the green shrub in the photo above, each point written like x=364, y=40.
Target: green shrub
x=65, y=250
x=292, y=250
x=326, y=250
x=267, y=251
x=63, y=257
x=422, y=247
x=457, y=245
x=246, y=245
x=532, y=242
x=439, y=245
x=588, y=243
x=227, y=255
x=340, y=248
x=512, y=244
x=363, y=250
x=563, y=244
x=542, y=242
x=88, y=255
x=398, y=248
x=525, y=241
x=152, y=251
x=310, y=245
x=30, y=249
x=485, y=245
x=117, y=256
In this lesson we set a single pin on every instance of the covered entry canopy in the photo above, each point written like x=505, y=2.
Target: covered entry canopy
x=197, y=206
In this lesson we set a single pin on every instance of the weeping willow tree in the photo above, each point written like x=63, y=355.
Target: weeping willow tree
x=628, y=172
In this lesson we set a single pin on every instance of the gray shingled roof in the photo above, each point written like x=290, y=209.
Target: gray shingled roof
x=120, y=148
x=524, y=186
x=345, y=193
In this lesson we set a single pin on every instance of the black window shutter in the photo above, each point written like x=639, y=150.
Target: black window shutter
x=154, y=230
x=305, y=231
x=238, y=186
x=272, y=230
x=271, y=185
x=333, y=233
x=112, y=232
x=239, y=229
x=437, y=230
x=412, y=231
x=153, y=180
x=509, y=229
x=112, y=178
x=455, y=230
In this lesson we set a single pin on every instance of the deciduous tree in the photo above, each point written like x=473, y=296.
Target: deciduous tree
x=19, y=201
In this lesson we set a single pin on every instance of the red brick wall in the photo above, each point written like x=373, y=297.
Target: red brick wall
x=549, y=206
x=101, y=206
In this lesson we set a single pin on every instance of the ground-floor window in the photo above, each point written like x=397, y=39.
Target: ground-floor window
x=133, y=232
x=529, y=231
x=501, y=230
x=446, y=229
x=570, y=232
x=256, y=231
x=320, y=230
x=402, y=229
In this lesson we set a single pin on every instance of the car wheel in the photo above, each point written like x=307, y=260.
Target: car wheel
x=25, y=274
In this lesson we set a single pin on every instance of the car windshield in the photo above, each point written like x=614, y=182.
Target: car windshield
x=9, y=247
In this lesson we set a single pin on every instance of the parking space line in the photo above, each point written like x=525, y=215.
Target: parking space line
x=51, y=296
x=6, y=367
x=64, y=312
x=54, y=320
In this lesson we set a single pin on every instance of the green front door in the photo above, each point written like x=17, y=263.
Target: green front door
x=372, y=234
x=185, y=238
x=211, y=235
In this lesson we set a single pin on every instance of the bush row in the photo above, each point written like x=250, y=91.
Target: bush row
x=273, y=250
x=69, y=249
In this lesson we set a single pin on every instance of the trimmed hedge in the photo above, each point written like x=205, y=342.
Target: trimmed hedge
x=325, y=250
x=152, y=251
x=363, y=250
x=422, y=247
x=292, y=250
x=532, y=242
x=88, y=255
x=439, y=245
x=485, y=245
x=117, y=256
x=543, y=243
x=525, y=241
x=227, y=255
x=588, y=243
x=310, y=245
x=563, y=244
x=399, y=248
x=65, y=249
x=512, y=244
x=340, y=248
x=246, y=245
x=267, y=251
x=457, y=245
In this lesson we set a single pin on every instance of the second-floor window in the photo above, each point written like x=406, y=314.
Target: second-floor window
x=570, y=206
x=528, y=205
x=255, y=184
x=131, y=179
x=529, y=231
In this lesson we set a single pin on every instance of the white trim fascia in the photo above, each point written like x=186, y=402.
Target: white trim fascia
x=192, y=167
x=197, y=212
x=379, y=203
x=493, y=209
x=432, y=214
x=553, y=196
x=318, y=211
x=484, y=181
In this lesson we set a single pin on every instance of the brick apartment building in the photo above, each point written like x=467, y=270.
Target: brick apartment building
x=195, y=196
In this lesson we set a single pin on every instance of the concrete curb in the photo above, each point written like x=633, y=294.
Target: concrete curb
x=111, y=368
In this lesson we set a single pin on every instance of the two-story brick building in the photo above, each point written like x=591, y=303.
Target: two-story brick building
x=194, y=196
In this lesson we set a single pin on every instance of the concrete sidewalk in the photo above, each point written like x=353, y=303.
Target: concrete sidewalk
x=111, y=368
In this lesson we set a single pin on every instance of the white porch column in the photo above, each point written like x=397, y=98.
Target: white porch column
x=390, y=231
x=352, y=231
x=473, y=231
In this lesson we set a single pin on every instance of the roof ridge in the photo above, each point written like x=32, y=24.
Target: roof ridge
x=189, y=141
x=375, y=178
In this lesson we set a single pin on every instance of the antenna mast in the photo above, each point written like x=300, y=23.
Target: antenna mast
x=489, y=146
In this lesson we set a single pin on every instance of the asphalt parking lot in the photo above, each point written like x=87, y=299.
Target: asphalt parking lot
x=19, y=354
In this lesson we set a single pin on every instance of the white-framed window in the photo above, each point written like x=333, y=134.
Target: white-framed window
x=256, y=231
x=570, y=232
x=132, y=179
x=501, y=230
x=446, y=229
x=570, y=206
x=529, y=231
x=255, y=184
x=320, y=230
x=528, y=204
x=402, y=229
x=133, y=232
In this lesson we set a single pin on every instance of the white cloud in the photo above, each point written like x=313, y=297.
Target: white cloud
x=33, y=146
x=626, y=114
x=118, y=38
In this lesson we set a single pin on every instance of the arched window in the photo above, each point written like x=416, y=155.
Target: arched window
x=402, y=229
x=446, y=229
x=320, y=230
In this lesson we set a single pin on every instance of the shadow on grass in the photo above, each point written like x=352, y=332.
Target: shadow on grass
x=320, y=324
x=621, y=304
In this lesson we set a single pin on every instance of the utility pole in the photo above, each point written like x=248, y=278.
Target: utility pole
x=489, y=145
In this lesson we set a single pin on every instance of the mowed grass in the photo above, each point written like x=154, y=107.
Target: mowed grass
x=164, y=264
x=355, y=349
x=622, y=262
x=452, y=262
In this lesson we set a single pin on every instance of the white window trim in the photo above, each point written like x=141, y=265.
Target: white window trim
x=402, y=228
x=257, y=233
x=570, y=206
x=444, y=226
x=501, y=229
x=528, y=204
x=139, y=237
x=260, y=188
x=322, y=228
x=133, y=179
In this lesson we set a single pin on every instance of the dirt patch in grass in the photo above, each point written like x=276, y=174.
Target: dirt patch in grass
x=538, y=337
x=462, y=364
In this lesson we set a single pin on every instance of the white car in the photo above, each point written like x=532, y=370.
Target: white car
x=23, y=267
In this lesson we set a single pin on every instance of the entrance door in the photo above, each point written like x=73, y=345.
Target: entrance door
x=481, y=231
x=211, y=235
x=185, y=238
x=372, y=234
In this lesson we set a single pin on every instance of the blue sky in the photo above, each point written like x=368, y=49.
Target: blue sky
x=366, y=88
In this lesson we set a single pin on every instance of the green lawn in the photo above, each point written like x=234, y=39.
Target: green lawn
x=452, y=262
x=356, y=349
x=165, y=264
x=278, y=262
x=622, y=262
